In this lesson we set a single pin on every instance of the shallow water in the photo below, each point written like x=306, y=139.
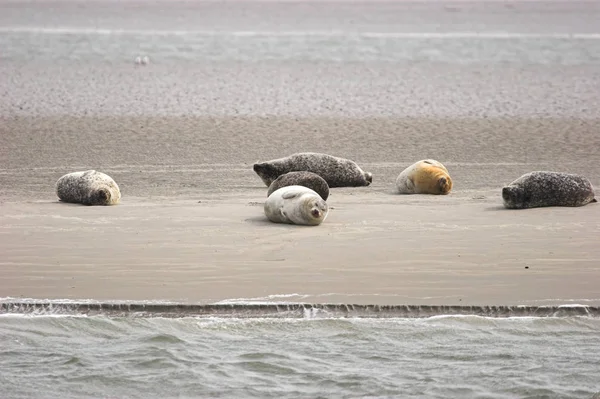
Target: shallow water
x=558, y=33
x=348, y=58
x=175, y=47
x=436, y=357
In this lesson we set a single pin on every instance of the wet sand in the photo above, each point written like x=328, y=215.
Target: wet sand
x=191, y=227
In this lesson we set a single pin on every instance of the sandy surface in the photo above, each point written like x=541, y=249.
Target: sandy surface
x=191, y=226
x=196, y=88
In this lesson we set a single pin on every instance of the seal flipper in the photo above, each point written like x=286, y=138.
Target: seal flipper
x=291, y=194
x=88, y=172
x=410, y=185
x=594, y=200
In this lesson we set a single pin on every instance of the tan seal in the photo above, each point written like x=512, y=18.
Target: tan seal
x=424, y=177
x=88, y=188
x=337, y=172
x=296, y=205
x=542, y=188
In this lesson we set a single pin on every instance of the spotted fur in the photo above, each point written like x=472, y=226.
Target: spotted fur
x=88, y=188
x=337, y=172
x=306, y=179
x=542, y=188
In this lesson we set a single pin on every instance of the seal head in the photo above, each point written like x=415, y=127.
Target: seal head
x=444, y=185
x=100, y=196
x=514, y=197
x=267, y=172
x=314, y=211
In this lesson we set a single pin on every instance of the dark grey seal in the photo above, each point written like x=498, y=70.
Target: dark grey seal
x=88, y=188
x=306, y=179
x=337, y=172
x=541, y=188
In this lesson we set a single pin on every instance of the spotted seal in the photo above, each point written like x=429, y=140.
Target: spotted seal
x=542, y=188
x=306, y=179
x=88, y=188
x=296, y=205
x=337, y=172
x=427, y=176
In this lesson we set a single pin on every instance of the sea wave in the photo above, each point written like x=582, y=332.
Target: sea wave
x=282, y=310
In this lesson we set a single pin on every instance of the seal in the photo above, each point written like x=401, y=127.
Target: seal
x=306, y=179
x=427, y=176
x=337, y=172
x=296, y=205
x=543, y=188
x=88, y=188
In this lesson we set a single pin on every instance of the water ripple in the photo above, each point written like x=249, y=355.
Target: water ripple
x=452, y=356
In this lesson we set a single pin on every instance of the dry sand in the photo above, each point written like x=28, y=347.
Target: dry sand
x=191, y=227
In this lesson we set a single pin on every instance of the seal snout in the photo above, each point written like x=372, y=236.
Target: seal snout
x=445, y=184
x=101, y=197
x=316, y=213
x=506, y=194
x=369, y=177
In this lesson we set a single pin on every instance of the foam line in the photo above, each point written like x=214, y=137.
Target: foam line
x=341, y=34
x=287, y=310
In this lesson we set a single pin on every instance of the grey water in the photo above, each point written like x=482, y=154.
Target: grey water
x=108, y=32
x=204, y=357
x=349, y=58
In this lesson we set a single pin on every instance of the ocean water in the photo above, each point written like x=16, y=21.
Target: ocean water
x=175, y=32
x=318, y=357
x=119, y=46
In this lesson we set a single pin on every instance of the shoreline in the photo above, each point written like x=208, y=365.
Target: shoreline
x=417, y=251
x=282, y=310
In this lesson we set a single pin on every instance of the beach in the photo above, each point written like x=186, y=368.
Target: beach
x=191, y=228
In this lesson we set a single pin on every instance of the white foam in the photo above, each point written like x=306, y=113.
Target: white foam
x=9, y=299
x=265, y=300
x=341, y=34
x=47, y=315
